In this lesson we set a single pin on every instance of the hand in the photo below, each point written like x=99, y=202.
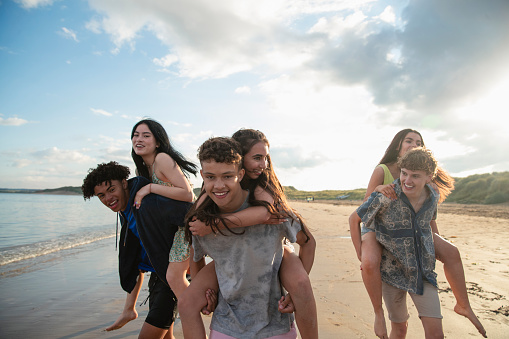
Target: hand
x=198, y=227
x=273, y=220
x=211, y=296
x=140, y=195
x=285, y=304
x=387, y=190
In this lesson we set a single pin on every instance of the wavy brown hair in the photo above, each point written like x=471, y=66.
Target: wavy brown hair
x=268, y=179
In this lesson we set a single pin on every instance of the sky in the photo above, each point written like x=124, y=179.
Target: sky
x=329, y=83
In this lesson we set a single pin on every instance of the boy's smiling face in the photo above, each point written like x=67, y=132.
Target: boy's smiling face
x=413, y=182
x=113, y=194
x=221, y=182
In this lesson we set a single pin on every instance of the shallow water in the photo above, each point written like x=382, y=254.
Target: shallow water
x=33, y=227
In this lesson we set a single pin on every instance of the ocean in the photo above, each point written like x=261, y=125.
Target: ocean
x=37, y=227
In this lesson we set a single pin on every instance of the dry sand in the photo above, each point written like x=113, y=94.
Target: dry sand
x=76, y=294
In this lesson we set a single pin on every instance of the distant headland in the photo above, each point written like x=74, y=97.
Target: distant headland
x=489, y=188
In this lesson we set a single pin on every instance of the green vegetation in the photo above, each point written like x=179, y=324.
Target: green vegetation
x=490, y=188
x=293, y=193
x=62, y=190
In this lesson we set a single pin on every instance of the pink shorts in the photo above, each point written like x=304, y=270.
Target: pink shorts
x=292, y=334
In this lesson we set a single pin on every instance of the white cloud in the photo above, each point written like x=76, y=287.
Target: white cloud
x=13, y=121
x=56, y=155
x=69, y=34
x=243, y=90
x=388, y=15
x=166, y=61
x=20, y=163
x=99, y=111
x=93, y=26
x=336, y=26
x=28, y=4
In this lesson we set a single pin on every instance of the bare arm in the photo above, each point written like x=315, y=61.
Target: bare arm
x=306, y=249
x=376, y=184
x=167, y=170
x=248, y=217
x=195, y=266
x=355, y=232
x=434, y=226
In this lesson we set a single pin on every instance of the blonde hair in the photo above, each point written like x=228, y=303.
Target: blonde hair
x=419, y=159
x=422, y=159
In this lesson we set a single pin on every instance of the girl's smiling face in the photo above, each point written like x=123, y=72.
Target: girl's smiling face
x=411, y=141
x=144, y=142
x=256, y=160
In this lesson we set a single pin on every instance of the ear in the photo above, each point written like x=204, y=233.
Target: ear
x=124, y=184
x=429, y=178
x=241, y=174
x=201, y=173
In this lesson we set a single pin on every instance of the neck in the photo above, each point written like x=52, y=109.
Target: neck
x=418, y=200
x=236, y=202
x=149, y=160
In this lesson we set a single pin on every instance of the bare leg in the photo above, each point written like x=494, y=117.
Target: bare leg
x=370, y=263
x=296, y=281
x=176, y=276
x=129, y=313
x=151, y=332
x=453, y=269
x=432, y=328
x=193, y=300
x=398, y=330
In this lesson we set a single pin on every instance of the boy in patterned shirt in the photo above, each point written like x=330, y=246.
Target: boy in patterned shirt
x=402, y=227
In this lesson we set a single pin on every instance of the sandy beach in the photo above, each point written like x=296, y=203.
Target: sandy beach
x=76, y=293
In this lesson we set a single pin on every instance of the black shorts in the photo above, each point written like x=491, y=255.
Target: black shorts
x=162, y=303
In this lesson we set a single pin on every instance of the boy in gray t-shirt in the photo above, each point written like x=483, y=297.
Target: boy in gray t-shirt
x=247, y=260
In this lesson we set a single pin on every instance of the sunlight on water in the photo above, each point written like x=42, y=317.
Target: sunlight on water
x=32, y=225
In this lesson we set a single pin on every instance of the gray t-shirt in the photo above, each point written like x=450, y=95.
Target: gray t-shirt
x=247, y=267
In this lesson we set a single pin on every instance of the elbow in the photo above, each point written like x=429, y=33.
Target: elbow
x=311, y=242
x=189, y=196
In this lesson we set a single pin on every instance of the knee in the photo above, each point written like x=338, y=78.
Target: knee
x=175, y=278
x=448, y=254
x=300, y=285
x=399, y=330
x=436, y=334
x=370, y=263
x=186, y=304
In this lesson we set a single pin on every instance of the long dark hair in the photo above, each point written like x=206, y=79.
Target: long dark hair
x=392, y=152
x=268, y=179
x=165, y=146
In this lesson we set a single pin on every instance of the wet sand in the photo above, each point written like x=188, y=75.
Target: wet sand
x=76, y=293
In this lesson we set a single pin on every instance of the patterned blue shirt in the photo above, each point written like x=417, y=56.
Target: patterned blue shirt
x=408, y=256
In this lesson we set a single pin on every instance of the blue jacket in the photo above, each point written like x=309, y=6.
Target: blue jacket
x=157, y=221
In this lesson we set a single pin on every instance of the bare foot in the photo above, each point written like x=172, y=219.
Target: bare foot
x=380, y=327
x=123, y=319
x=470, y=315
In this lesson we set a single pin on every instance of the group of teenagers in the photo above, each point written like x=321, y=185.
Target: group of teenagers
x=253, y=281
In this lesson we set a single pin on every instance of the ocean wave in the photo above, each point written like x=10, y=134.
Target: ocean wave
x=29, y=251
